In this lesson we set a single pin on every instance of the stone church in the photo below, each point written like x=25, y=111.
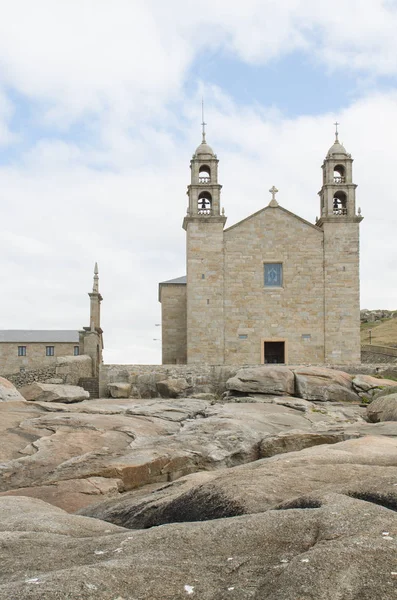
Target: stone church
x=272, y=288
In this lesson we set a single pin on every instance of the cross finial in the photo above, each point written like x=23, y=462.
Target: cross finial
x=273, y=190
x=273, y=202
x=203, y=124
x=336, y=131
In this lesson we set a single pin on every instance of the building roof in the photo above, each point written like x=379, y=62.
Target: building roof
x=177, y=280
x=39, y=335
x=204, y=148
x=337, y=148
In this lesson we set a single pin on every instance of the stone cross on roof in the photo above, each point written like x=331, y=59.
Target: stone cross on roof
x=203, y=124
x=336, y=131
x=273, y=202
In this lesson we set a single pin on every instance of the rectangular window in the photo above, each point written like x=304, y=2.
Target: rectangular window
x=273, y=274
x=76, y=350
x=21, y=350
x=49, y=350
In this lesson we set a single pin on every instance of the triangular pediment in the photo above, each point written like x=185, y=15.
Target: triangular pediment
x=274, y=208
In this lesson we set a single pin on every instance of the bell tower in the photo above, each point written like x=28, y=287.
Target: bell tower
x=340, y=222
x=204, y=191
x=204, y=223
x=338, y=193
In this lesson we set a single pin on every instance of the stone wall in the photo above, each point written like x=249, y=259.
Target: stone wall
x=70, y=369
x=380, y=354
x=31, y=375
x=35, y=357
x=73, y=368
x=173, y=323
x=201, y=378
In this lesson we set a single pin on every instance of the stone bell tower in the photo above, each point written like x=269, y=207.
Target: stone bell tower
x=340, y=223
x=204, y=223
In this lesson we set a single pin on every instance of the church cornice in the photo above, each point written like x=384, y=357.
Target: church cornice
x=203, y=219
x=338, y=219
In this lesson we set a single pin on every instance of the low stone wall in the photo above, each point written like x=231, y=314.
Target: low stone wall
x=143, y=378
x=30, y=376
x=380, y=354
x=68, y=368
x=201, y=378
x=371, y=357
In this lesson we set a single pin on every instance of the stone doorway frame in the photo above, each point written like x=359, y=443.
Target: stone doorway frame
x=263, y=340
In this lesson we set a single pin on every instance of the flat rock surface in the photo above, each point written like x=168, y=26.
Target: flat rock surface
x=335, y=547
x=261, y=485
x=114, y=445
x=286, y=499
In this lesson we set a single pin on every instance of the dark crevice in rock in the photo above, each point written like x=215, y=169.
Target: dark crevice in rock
x=387, y=500
x=299, y=503
x=195, y=505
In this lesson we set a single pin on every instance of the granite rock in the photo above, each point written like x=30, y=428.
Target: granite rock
x=49, y=392
x=8, y=392
x=264, y=380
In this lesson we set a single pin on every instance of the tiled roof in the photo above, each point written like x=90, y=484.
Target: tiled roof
x=180, y=280
x=39, y=335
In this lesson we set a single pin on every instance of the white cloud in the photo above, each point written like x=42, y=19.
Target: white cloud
x=7, y=137
x=126, y=58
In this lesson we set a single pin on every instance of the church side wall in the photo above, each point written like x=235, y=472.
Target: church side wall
x=35, y=357
x=205, y=291
x=342, y=292
x=254, y=313
x=173, y=323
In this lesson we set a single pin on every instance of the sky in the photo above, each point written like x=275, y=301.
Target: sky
x=100, y=112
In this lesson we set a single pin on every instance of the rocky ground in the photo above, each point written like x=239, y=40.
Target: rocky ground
x=250, y=496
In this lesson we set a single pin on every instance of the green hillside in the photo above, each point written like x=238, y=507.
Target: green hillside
x=382, y=332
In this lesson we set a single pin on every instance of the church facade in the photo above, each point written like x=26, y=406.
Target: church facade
x=272, y=288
